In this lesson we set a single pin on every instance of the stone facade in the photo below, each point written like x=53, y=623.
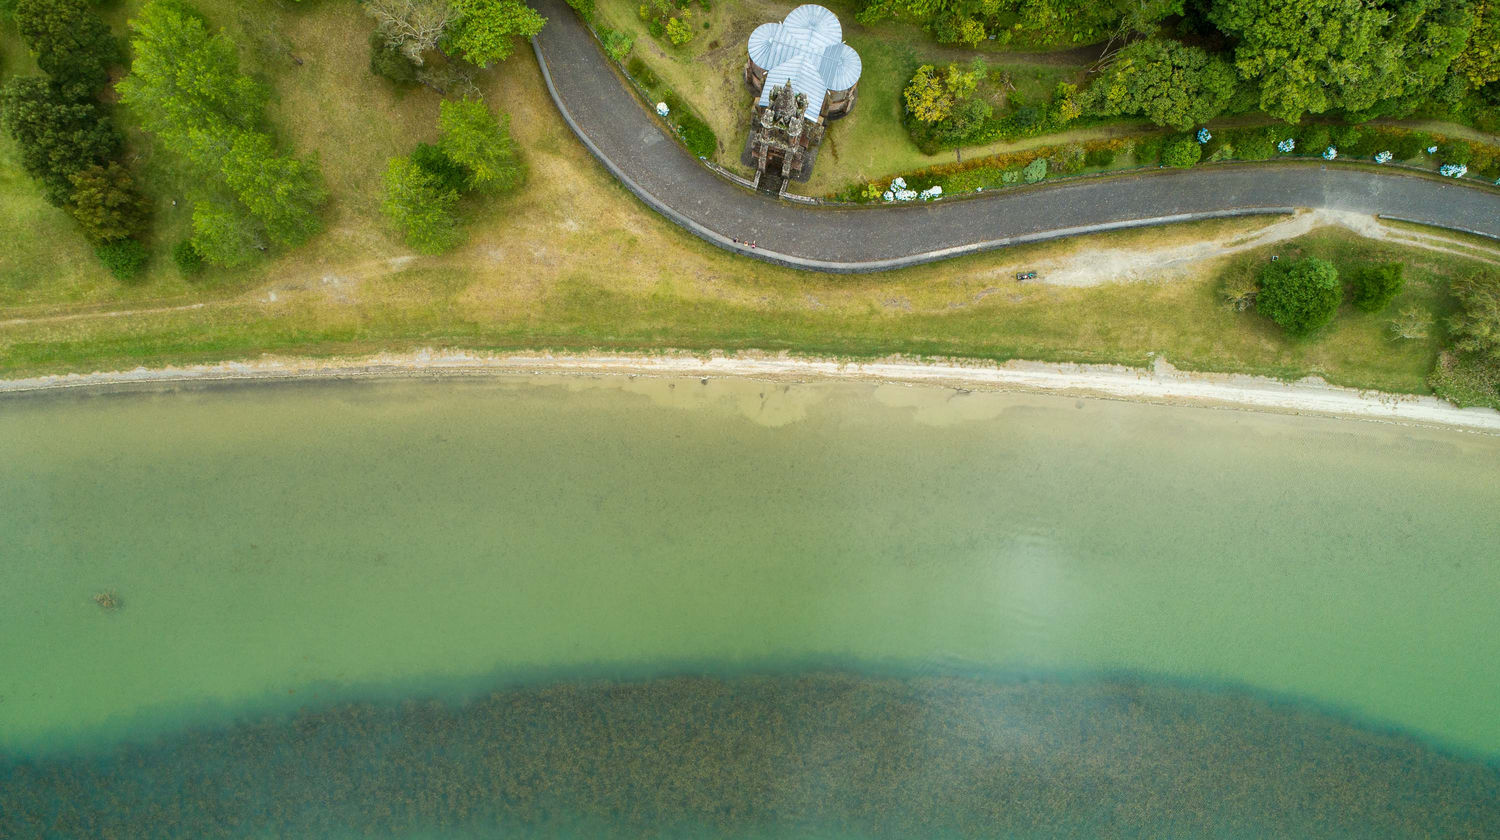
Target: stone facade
x=803, y=75
x=783, y=143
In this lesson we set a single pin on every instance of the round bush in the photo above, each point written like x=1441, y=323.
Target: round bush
x=1257, y=145
x=1100, y=157
x=1300, y=295
x=123, y=257
x=1373, y=286
x=1312, y=137
x=1407, y=145
x=1182, y=153
x=1456, y=151
x=188, y=260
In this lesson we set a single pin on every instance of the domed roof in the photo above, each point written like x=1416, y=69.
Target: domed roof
x=807, y=48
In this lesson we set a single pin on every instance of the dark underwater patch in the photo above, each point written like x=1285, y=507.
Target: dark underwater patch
x=788, y=755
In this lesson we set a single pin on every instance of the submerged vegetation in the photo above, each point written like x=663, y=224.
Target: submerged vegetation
x=799, y=753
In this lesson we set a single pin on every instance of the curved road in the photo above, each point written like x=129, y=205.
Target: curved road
x=607, y=118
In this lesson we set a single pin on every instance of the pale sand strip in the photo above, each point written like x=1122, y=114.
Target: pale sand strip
x=1161, y=384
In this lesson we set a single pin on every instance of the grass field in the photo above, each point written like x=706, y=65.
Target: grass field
x=574, y=261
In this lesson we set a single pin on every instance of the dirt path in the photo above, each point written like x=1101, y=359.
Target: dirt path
x=1125, y=265
x=1088, y=267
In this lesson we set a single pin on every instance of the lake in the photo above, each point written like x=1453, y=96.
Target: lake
x=560, y=606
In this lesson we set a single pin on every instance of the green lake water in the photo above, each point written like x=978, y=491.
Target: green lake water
x=295, y=548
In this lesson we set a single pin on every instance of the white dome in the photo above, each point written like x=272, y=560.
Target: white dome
x=807, y=49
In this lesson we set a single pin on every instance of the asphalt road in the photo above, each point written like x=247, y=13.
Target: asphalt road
x=606, y=116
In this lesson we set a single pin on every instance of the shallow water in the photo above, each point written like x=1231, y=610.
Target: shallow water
x=283, y=547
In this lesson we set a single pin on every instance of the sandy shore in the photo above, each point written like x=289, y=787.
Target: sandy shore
x=1160, y=384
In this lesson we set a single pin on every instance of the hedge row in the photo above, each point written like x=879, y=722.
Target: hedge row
x=1249, y=144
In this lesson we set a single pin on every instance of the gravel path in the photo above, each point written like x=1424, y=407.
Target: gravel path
x=661, y=173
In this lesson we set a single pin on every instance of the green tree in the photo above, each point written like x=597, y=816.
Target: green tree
x=281, y=191
x=106, y=203
x=224, y=235
x=1374, y=286
x=486, y=30
x=678, y=32
x=125, y=258
x=1167, y=82
x=481, y=144
x=1480, y=60
x=932, y=94
x=1181, y=153
x=56, y=133
x=1308, y=55
x=1311, y=56
x=1300, y=295
x=185, y=83
x=71, y=42
x=421, y=207
x=1476, y=327
x=188, y=260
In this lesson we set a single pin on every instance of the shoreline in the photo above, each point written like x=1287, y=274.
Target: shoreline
x=1160, y=384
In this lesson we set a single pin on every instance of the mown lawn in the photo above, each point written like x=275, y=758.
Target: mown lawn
x=573, y=261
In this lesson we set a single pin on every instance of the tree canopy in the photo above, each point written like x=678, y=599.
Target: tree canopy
x=1476, y=327
x=933, y=94
x=57, y=132
x=1300, y=295
x=1167, y=82
x=71, y=42
x=1311, y=56
x=481, y=144
x=186, y=86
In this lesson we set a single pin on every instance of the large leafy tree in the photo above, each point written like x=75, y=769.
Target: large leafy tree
x=1165, y=81
x=224, y=234
x=932, y=94
x=185, y=83
x=106, y=203
x=1476, y=327
x=57, y=133
x=1480, y=60
x=481, y=144
x=486, y=30
x=1311, y=56
x=1300, y=295
x=281, y=191
x=71, y=42
x=421, y=206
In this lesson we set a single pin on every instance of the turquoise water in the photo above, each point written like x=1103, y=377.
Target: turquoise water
x=334, y=549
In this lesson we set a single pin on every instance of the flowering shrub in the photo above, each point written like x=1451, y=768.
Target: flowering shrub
x=899, y=191
x=934, y=191
x=1204, y=136
x=1432, y=150
x=1453, y=170
x=1286, y=145
x=662, y=110
x=1383, y=157
x=1330, y=153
